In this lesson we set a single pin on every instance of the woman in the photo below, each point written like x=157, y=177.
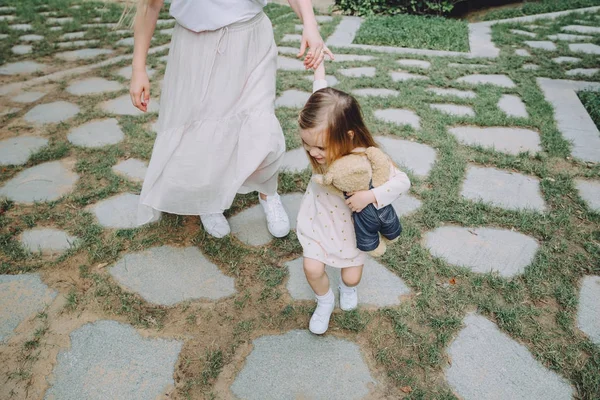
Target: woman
x=217, y=130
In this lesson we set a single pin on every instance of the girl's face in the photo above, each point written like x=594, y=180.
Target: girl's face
x=313, y=141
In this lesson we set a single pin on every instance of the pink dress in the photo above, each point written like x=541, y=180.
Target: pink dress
x=325, y=228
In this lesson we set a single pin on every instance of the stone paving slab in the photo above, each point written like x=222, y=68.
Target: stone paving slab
x=111, y=360
x=513, y=106
x=122, y=106
x=295, y=160
x=28, y=97
x=414, y=63
x=291, y=38
x=22, y=49
x=406, y=205
x=455, y=110
x=132, y=168
x=119, y=212
x=522, y=53
x=379, y=287
x=588, y=315
x=352, y=57
x=290, y=64
x=401, y=76
x=93, y=85
x=168, y=275
x=589, y=191
x=505, y=140
x=299, y=365
x=20, y=27
x=488, y=364
x=509, y=190
x=73, y=35
x=292, y=99
x=96, y=134
x=126, y=72
x=580, y=29
x=358, y=72
x=417, y=157
x=460, y=65
x=523, y=33
x=21, y=67
x=331, y=80
x=399, y=117
x=83, y=54
x=587, y=48
x=48, y=241
x=531, y=67
x=21, y=296
x=31, y=38
x=570, y=38
x=288, y=50
x=562, y=60
x=51, y=113
x=375, y=92
x=483, y=250
x=44, y=182
x=17, y=150
x=582, y=72
x=481, y=79
x=463, y=94
x=541, y=44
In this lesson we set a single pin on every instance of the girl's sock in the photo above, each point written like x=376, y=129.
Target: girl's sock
x=327, y=298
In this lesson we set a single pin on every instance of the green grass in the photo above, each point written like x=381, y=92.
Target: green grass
x=413, y=31
x=591, y=101
x=539, y=7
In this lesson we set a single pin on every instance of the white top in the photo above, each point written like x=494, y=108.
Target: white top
x=210, y=15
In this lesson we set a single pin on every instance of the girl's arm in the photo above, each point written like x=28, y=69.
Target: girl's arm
x=311, y=37
x=320, y=82
x=145, y=22
x=387, y=193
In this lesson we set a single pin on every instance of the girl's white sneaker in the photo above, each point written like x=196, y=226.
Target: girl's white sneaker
x=319, y=322
x=348, y=297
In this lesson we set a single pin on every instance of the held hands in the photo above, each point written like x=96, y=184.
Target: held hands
x=359, y=200
x=311, y=38
x=139, y=89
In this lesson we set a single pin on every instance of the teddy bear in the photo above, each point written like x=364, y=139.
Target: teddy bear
x=360, y=171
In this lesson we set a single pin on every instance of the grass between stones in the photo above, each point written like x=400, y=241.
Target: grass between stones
x=415, y=32
x=406, y=344
x=538, y=7
x=591, y=101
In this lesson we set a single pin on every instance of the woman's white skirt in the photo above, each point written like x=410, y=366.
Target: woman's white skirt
x=217, y=130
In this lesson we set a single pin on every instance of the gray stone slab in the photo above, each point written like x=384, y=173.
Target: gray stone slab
x=96, y=133
x=483, y=250
x=523, y=33
x=48, y=241
x=55, y=29
x=127, y=72
x=331, y=80
x=132, y=168
x=73, y=35
x=480, y=79
x=324, y=18
x=488, y=364
x=460, y=65
x=401, y=76
x=93, y=85
x=299, y=365
x=417, y=157
x=358, y=72
x=455, y=110
x=44, y=182
x=295, y=160
x=164, y=22
x=541, y=44
x=3, y=36
x=375, y=92
x=122, y=106
x=509, y=190
x=570, y=38
x=290, y=64
x=51, y=113
x=21, y=67
x=587, y=48
x=250, y=226
x=399, y=117
x=588, y=315
x=291, y=38
x=562, y=60
x=7, y=9
x=522, y=53
x=288, y=50
x=77, y=43
x=414, y=63
x=61, y=21
x=531, y=67
x=100, y=26
x=168, y=275
x=119, y=212
x=111, y=360
x=345, y=32
x=167, y=31
x=17, y=150
x=513, y=106
x=379, y=287
x=292, y=99
x=31, y=38
x=589, y=191
x=125, y=42
x=505, y=140
x=581, y=29
x=22, y=49
x=21, y=27
x=7, y=17
x=21, y=296
x=582, y=71
x=463, y=94
x=83, y=54
x=406, y=205
x=28, y=97
x=352, y=57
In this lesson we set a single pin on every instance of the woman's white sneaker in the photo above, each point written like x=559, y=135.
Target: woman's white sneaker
x=277, y=219
x=348, y=297
x=215, y=225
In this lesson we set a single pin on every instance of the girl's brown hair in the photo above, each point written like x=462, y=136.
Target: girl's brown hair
x=338, y=114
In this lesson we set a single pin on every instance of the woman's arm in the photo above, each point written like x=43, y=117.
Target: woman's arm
x=311, y=37
x=145, y=22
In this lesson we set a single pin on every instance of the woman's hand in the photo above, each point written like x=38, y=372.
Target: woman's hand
x=139, y=89
x=359, y=200
x=311, y=38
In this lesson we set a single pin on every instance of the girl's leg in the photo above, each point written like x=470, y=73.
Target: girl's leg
x=348, y=292
x=318, y=280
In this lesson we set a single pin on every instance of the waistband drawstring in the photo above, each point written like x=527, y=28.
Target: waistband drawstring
x=223, y=34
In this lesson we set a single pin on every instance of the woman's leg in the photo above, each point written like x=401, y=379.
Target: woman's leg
x=348, y=291
x=318, y=280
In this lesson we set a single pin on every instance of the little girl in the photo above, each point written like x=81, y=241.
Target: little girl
x=332, y=126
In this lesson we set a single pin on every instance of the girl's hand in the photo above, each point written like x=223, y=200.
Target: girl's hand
x=359, y=200
x=311, y=38
x=139, y=89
